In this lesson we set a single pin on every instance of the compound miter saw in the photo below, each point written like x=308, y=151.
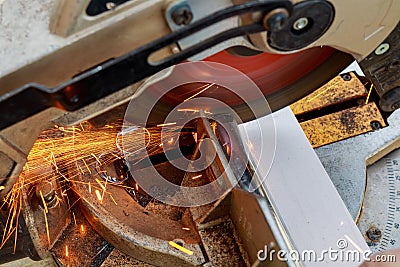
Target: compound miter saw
x=157, y=132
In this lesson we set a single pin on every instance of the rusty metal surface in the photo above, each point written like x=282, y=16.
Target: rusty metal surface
x=117, y=259
x=45, y=224
x=221, y=245
x=334, y=92
x=337, y=111
x=80, y=244
x=27, y=262
x=342, y=124
x=139, y=231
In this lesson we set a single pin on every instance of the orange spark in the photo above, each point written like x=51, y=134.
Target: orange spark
x=214, y=127
x=87, y=167
x=186, y=228
x=112, y=198
x=166, y=124
x=82, y=229
x=66, y=251
x=73, y=215
x=96, y=158
x=188, y=110
x=369, y=93
x=98, y=195
x=81, y=169
x=105, y=186
x=47, y=228
x=197, y=177
x=101, y=185
x=201, y=91
x=44, y=202
x=63, y=193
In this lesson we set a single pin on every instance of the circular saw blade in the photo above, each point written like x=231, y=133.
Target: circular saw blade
x=284, y=79
x=281, y=80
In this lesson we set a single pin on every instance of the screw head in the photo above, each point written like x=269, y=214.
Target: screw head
x=182, y=15
x=375, y=125
x=300, y=24
x=374, y=234
x=382, y=49
x=346, y=77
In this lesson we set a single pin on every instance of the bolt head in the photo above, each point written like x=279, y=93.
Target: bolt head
x=182, y=15
x=346, y=77
x=300, y=24
x=375, y=125
x=382, y=49
x=374, y=234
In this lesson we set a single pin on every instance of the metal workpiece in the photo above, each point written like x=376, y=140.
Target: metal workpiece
x=296, y=183
x=238, y=227
x=346, y=161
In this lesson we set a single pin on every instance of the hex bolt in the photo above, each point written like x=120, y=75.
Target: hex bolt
x=182, y=15
x=374, y=234
x=382, y=49
x=375, y=125
x=276, y=20
x=346, y=77
x=300, y=24
x=48, y=193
